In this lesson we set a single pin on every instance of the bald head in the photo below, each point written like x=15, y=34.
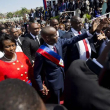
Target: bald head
x=49, y=34
x=75, y=19
x=47, y=31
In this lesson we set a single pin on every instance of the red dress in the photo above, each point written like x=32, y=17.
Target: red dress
x=19, y=69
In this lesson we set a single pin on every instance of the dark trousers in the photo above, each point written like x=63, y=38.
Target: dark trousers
x=55, y=96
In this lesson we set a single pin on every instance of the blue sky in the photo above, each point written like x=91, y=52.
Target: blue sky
x=14, y=5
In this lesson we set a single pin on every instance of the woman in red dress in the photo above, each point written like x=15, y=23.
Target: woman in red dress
x=14, y=64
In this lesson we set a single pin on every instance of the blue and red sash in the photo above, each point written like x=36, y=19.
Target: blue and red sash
x=51, y=55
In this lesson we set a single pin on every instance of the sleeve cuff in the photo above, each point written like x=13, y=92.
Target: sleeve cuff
x=96, y=62
x=97, y=33
x=90, y=35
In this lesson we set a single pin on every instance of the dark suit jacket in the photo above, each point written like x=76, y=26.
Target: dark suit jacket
x=82, y=92
x=61, y=33
x=53, y=73
x=21, y=39
x=72, y=53
x=30, y=46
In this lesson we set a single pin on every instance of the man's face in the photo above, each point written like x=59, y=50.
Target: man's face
x=15, y=33
x=77, y=25
x=67, y=26
x=34, y=29
x=55, y=24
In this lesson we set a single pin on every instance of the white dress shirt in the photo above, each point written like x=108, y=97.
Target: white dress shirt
x=1, y=54
x=82, y=50
x=96, y=62
x=50, y=47
x=57, y=33
x=35, y=37
x=18, y=48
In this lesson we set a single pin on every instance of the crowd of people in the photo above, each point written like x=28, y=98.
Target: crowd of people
x=93, y=8
x=64, y=61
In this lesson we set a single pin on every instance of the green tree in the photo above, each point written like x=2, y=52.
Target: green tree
x=10, y=15
x=23, y=11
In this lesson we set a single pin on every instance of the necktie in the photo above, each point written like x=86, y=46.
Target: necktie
x=19, y=43
x=86, y=47
x=54, y=48
x=37, y=39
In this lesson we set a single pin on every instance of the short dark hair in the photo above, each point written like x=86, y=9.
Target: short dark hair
x=18, y=95
x=51, y=21
x=5, y=37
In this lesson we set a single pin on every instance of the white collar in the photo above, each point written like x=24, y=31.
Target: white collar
x=57, y=33
x=50, y=46
x=32, y=35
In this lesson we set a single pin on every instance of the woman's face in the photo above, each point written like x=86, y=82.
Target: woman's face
x=9, y=47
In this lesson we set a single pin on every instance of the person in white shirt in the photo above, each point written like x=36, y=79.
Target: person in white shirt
x=14, y=32
x=83, y=49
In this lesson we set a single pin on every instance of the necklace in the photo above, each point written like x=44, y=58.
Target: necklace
x=11, y=59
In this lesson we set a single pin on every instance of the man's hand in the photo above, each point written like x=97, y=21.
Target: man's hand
x=44, y=90
x=101, y=36
x=94, y=25
x=103, y=23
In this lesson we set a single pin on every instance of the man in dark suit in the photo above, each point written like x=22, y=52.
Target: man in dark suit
x=32, y=41
x=19, y=40
x=83, y=49
x=49, y=59
x=80, y=50
x=54, y=23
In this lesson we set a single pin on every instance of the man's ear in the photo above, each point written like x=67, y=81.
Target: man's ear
x=47, y=38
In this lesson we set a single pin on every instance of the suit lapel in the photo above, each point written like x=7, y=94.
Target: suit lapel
x=31, y=37
x=57, y=47
x=92, y=45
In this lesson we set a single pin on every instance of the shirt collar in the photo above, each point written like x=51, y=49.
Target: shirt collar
x=57, y=33
x=32, y=35
x=50, y=46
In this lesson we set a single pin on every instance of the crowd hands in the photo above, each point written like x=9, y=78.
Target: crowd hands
x=21, y=57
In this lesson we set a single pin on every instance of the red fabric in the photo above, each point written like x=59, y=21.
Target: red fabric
x=55, y=50
x=86, y=47
x=48, y=56
x=19, y=69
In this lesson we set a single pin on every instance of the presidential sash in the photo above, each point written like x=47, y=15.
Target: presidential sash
x=51, y=55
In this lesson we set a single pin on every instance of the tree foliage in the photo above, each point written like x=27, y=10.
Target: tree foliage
x=18, y=13
x=9, y=15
